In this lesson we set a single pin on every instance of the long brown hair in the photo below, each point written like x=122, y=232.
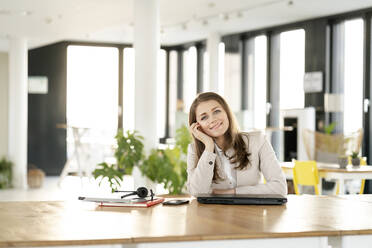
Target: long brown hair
x=233, y=138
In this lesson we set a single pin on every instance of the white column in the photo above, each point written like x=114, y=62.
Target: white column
x=146, y=45
x=213, y=42
x=18, y=96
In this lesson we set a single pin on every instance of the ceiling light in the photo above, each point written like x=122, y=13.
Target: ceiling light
x=25, y=13
x=211, y=5
x=290, y=3
x=4, y=12
x=48, y=20
x=224, y=16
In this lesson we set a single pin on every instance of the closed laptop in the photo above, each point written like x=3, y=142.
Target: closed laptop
x=241, y=199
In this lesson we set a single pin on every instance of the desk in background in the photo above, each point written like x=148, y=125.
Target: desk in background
x=305, y=221
x=330, y=171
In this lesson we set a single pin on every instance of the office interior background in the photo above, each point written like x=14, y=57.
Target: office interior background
x=80, y=69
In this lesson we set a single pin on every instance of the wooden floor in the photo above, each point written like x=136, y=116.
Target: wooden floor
x=70, y=188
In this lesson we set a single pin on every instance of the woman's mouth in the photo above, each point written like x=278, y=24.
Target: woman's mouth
x=216, y=126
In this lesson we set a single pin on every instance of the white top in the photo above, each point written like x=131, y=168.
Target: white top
x=228, y=167
x=200, y=171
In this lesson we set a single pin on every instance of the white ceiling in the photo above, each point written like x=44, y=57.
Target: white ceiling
x=47, y=21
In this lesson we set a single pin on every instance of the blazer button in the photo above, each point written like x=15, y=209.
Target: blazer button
x=210, y=162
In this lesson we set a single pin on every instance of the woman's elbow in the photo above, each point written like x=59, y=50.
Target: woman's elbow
x=197, y=190
x=282, y=188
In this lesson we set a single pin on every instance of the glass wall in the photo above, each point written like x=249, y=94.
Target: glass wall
x=92, y=96
x=128, y=89
x=161, y=94
x=173, y=76
x=260, y=72
x=189, y=77
x=292, y=69
x=353, y=75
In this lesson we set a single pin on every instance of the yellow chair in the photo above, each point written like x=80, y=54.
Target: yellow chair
x=305, y=173
x=363, y=162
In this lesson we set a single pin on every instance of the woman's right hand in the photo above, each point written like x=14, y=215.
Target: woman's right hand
x=195, y=130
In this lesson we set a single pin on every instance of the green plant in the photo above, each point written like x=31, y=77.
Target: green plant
x=161, y=166
x=164, y=166
x=329, y=128
x=129, y=152
x=5, y=173
x=183, y=138
x=355, y=155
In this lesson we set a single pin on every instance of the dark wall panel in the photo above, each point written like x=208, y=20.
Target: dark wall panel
x=315, y=60
x=46, y=142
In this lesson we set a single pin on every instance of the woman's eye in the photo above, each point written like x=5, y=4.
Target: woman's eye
x=217, y=111
x=203, y=118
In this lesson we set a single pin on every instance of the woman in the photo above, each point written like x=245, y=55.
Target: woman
x=222, y=160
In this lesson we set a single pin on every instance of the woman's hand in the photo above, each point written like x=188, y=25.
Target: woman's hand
x=195, y=130
x=223, y=191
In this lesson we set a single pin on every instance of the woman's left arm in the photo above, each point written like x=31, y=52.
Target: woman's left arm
x=274, y=176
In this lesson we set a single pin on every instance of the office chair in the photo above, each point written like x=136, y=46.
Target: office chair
x=305, y=173
x=363, y=162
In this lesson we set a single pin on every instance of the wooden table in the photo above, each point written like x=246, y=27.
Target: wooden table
x=328, y=172
x=307, y=220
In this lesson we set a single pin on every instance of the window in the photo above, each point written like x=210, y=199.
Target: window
x=353, y=76
x=221, y=68
x=161, y=94
x=292, y=69
x=173, y=65
x=92, y=93
x=128, y=89
x=260, y=65
x=189, y=77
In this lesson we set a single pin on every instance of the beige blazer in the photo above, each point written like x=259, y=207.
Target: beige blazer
x=262, y=160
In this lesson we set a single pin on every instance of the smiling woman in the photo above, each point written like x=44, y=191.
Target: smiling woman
x=223, y=160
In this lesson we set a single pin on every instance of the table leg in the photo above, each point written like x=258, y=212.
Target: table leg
x=342, y=186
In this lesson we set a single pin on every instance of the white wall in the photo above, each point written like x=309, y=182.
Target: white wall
x=4, y=104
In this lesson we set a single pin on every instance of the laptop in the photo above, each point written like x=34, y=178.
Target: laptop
x=242, y=199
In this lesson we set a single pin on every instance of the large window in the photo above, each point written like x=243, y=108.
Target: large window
x=92, y=96
x=189, y=77
x=292, y=68
x=161, y=94
x=231, y=85
x=173, y=65
x=353, y=76
x=260, y=65
x=129, y=91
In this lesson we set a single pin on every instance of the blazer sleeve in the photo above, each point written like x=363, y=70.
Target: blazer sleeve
x=199, y=173
x=270, y=168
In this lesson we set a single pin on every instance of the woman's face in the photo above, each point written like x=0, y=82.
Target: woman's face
x=212, y=118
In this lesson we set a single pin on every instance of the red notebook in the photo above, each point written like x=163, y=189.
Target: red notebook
x=141, y=204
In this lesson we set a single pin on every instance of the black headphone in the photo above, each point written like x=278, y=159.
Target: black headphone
x=141, y=192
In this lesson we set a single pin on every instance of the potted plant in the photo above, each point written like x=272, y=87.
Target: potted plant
x=128, y=153
x=355, y=161
x=5, y=173
x=343, y=161
x=167, y=166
